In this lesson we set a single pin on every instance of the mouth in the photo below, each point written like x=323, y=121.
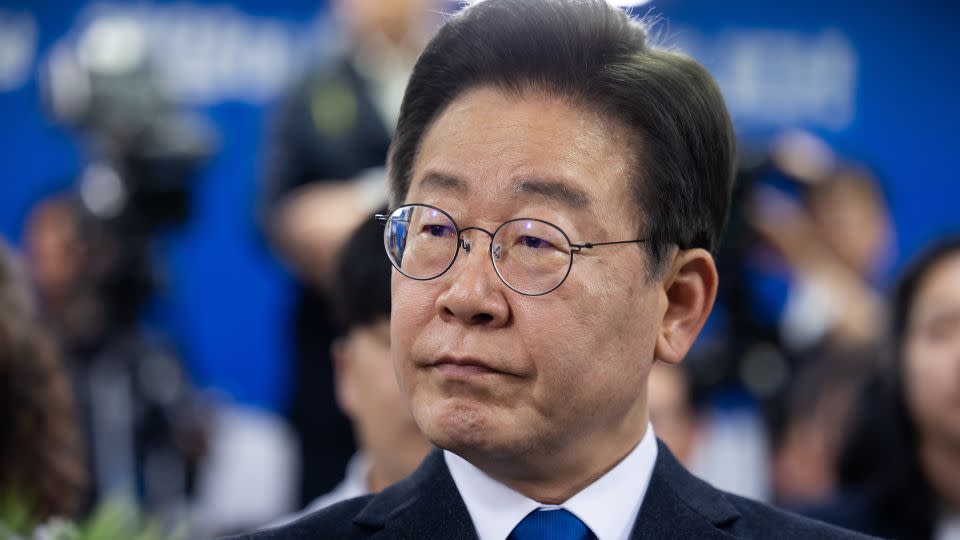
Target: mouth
x=462, y=367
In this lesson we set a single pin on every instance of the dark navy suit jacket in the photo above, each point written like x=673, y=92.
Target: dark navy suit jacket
x=427, y=505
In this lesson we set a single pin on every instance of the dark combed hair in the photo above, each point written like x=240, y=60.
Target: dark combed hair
x=595, y=56
x=41, y=453
x=361, y=292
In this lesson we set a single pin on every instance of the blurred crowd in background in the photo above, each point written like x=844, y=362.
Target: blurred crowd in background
x=194, y=299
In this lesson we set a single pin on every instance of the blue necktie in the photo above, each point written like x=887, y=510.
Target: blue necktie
x=556, y=524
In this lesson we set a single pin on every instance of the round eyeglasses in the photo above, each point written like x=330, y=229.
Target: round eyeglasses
x=531, y=256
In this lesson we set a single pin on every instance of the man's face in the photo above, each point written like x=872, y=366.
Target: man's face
x=562, y=374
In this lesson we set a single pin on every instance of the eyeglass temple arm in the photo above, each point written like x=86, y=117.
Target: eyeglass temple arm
x=588, y=245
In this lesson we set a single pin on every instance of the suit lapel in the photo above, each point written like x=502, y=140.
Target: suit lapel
x=679, y=505
x=425, y=505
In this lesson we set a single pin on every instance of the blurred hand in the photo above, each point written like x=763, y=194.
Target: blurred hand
x=856, y=311
x=313, y=222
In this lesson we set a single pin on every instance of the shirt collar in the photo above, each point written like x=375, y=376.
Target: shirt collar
x=609, y=506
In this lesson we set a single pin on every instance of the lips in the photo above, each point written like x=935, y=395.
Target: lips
x=463, y=366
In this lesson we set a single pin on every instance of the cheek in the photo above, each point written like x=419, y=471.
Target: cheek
x=591, y=342
x=925, y=381
x=621, y=312
x=412, y=309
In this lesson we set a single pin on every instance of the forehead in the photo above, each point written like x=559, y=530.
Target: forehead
x=506, y=150
x=941, y=287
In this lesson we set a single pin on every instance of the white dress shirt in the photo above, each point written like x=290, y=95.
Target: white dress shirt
x=609, y=506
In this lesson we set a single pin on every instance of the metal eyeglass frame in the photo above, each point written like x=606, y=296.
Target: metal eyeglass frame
x=467, y=245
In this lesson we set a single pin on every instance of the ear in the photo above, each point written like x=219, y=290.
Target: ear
x=690, y=285
x=343, y=375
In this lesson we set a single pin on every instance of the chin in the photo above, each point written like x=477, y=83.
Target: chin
x=463, y=427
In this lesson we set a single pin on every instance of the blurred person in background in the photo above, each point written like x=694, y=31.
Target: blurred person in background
x=812, y=422
x=390, y=446
x=807, y=267
x=324, y=174
x=141, y=421
x=92, y=254
x=804, y=258
x=835, y=236
x=54, y=256
x=672, y=412
x=42, y=469
x=901, y=466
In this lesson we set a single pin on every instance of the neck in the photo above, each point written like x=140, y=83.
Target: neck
x=553, y=477
x=941, y=464
x=381, y=477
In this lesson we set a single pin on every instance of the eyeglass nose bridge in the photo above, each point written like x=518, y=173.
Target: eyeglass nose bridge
x=467, y=245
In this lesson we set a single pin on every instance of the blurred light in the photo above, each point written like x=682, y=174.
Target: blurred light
x=614, y=3
x=102, y=191
x=67, y=84
x=18, y=46
x=112, y=45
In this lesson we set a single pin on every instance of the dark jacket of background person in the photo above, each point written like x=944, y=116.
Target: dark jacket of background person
x=885, y=490
x=41, y=457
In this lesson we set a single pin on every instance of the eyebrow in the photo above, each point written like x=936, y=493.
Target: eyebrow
x=550, y=189
x=443, y=181
x=555, y=190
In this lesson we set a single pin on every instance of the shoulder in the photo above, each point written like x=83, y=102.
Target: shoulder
x=334, y=521
x=426, y=502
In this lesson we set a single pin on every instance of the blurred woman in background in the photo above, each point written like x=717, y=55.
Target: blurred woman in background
x=41, y=457
x=901, y=466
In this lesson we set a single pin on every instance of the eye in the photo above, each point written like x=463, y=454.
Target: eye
x=437, y=230
x=533, y=242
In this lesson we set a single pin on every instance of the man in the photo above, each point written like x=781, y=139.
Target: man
x=559, y=186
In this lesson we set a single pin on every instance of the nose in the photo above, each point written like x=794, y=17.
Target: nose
x=475, y=295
